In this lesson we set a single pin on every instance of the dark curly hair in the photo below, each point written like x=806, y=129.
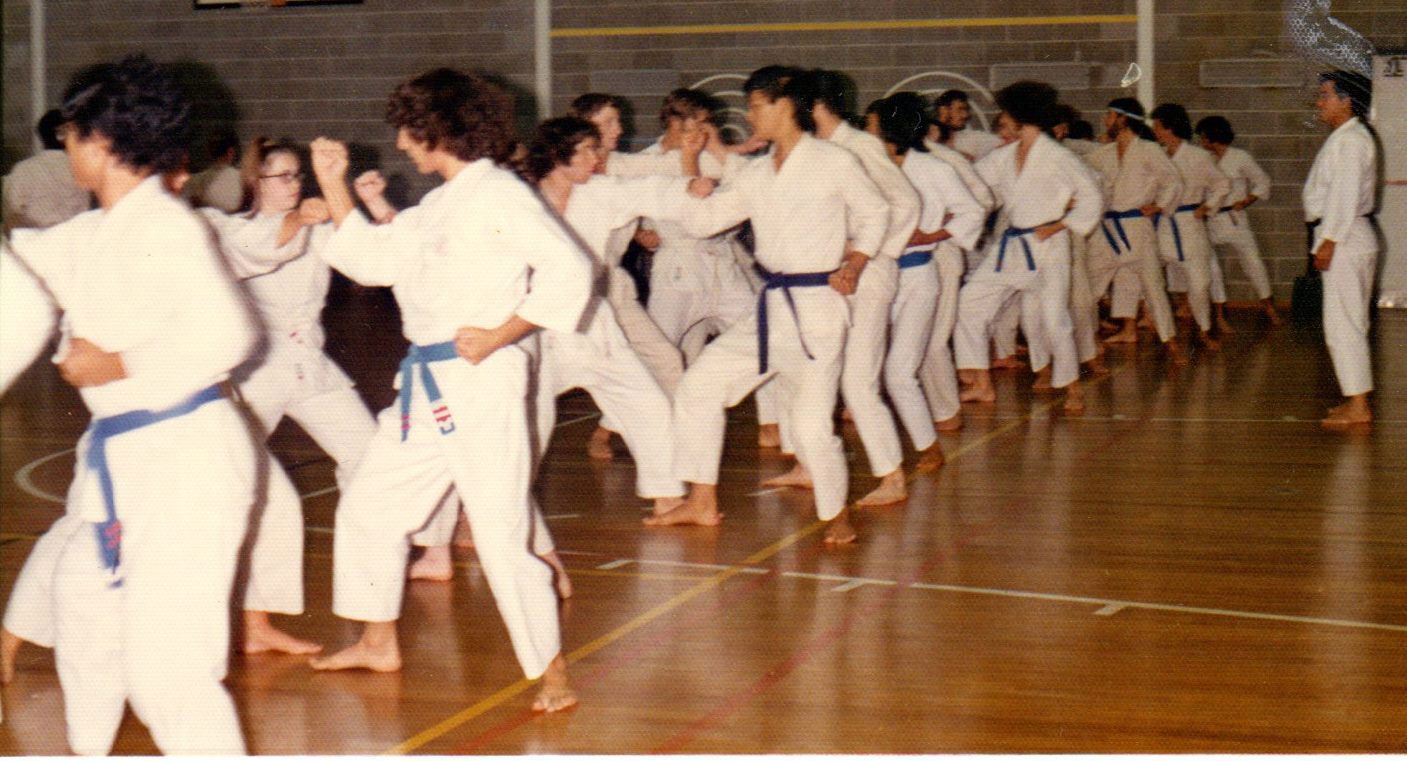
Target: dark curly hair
x=462, y=114
x=1216, y=129
x=1174, y=117
x=903, y=121
x=138, y=106
x=1029, y=102
x=553, y=144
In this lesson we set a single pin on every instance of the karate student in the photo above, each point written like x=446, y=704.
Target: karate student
x=274, y=246
x=39, y=191
x=953, y=109
x=1182, y=233
x=1047, y=195
x=166, y=471
x=872, y=302
x=801, y=197
x=1140, y=182
x=459, y=265
x=1339, y=198
x=930, y=270
x=1230, y=226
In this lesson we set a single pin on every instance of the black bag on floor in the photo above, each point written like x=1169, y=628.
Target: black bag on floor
x=1307, y=300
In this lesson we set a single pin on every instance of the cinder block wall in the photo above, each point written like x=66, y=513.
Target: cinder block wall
x=300, y=72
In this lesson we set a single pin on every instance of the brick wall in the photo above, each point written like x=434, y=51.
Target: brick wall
x=300, y=72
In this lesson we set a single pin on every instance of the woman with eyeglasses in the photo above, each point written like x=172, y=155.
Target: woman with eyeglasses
x=272, y=245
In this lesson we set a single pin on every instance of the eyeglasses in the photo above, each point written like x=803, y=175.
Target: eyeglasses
x=288, y=177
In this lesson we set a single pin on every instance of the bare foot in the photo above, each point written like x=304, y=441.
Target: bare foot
x=839, y=531
x=1105, y=326
x=979, y=392
x=9, y=649
x=1207, y=342
x=1223, y=326
x=1125, y=335
x=665, y=504
x=556, y=694
x=379, y=654
x=891, y=490
x=798, y=477
x=1007, y=363
x=930, y=459
x=1042, y=380
x=436, y=564
x=599, y=446
x=260, y=636
x=559, y=574
x=1074, y=398
x=769, y=435
x=1183, y=312
x=1096, y=366
x=1270, y=312
x=1354, y=411
x=1176, y=353
x=953, y=423
x=699, y=509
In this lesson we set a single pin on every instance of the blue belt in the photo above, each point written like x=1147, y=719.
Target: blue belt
x=1118, y=217
x=784, y=281
x=915, y=259
x=109, y=532
x=423, y=356
x=1020, y=234
x=1177, y=236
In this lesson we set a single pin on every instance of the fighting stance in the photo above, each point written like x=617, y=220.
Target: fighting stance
x=801, y=197
x=1230, y=226
x=459, y=264
x=1048, y=195
x=142, y=584
x=1339, y=198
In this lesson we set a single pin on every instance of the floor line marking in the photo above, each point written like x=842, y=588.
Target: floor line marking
x=491, y=702
x=765, y=492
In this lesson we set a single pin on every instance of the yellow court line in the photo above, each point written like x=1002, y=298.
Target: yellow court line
x=493, y=701
x=838, y=26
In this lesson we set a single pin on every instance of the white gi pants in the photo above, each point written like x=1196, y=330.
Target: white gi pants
x=1141, y=260
x=937, y=373
x=1348, y=292
x=486, y=453
x=655, y=349
x=864, y=363
x=912, y=318
x=301, y=382
x=728, y=370
x=1233, y=230
x=618, y=381
x=183, y=488
x=1046, y=288
x=1196, y=263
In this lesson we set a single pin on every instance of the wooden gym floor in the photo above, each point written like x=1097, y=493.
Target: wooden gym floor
x=1193, y=565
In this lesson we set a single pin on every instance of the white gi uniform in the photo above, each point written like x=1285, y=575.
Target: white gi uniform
x=799, y=214
x=974, y=142
x=1340, y=193
x=655, y=349
x=599, y=358
x=1143, y=176
x=294, y=377
x=1182, y=238
x=1039, y=271
x=926, y=306
x=40, y=192
x=1232, y=228
x=460, y=258
x=27, y=318
x=159, y=639
x=872, y=302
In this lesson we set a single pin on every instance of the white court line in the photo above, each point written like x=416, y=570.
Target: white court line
x=575, y=420
x=1107, y=607
x=772, y=490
